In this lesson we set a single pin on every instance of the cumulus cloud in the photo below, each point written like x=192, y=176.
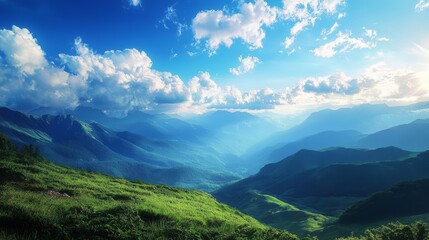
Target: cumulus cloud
x=422, y=5
x=246, y=64
x=207, y=94
x=121, y=80
x=27, y=80
x=218, y=28
x=117, y=81
x=343, y=43
x=22, y=50
x=333, y=84
x=204, y=90
x=377, y=84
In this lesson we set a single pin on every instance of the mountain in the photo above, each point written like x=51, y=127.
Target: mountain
x=94, y=147
x=318, y=141
x=221, y=119
x=367, y=118
x=42, y=200
x=236, y=130
x=290, y=178
x=161, y=126
x=413, y=136
x=404, y=199
x=304, y=160
x=352, y=180
x=309, y=159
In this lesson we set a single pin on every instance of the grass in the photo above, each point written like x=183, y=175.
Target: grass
x=43, y=200
x=282, y=215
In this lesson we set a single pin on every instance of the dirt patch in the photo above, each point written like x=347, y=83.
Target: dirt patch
x=55, y=194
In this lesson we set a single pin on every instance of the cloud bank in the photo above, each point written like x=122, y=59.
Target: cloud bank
x=117, y=81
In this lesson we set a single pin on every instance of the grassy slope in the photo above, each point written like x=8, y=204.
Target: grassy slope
x=103, y=207
x=279, y=214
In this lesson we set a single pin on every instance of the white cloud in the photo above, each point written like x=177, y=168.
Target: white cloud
x=422, y=5
x=370, y=33
x=117, y=81
x=27, y=80
x=218, y=28
x=288, y=42
x=135, y=3
x=377, y=84
x=204, y=90
x=326, y=32
x=170, y=17
x=341, y=15
x=305, y=13
x=343, y=43
x=330, y=6
x=246, y=64
x=22, y=50
x=123, y=79
x=333, y=84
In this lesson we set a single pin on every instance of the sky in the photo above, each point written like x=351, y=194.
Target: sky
x=191, y=56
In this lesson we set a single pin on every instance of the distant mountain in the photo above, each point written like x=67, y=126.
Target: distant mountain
x=308, y=159
x=413, y=136
x=160, y=126
x=365, y=118
x=318, y=141
x=236, y=130
x=278, y=178
x=352, y=180
x=92, y=146
x=163, y=127
x=220, y=119
x=404, y=199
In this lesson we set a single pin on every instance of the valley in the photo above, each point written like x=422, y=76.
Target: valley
x=325, y=181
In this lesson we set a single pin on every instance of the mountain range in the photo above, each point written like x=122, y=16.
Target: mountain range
x=323, y=182
x=95, y=147
x=323, y=171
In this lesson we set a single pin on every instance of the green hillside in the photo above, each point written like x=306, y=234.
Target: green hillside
x=42, y=200
x=279, y=214
x=404, y=199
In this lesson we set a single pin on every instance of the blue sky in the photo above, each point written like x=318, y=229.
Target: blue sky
x=192, y=55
